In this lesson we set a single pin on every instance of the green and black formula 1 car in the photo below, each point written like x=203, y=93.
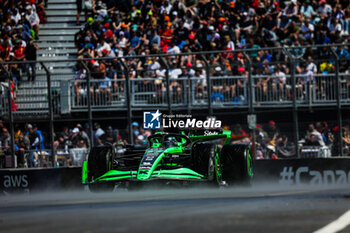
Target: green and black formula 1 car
x=189, y=155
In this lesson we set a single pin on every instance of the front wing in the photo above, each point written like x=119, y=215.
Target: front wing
x=172, y=174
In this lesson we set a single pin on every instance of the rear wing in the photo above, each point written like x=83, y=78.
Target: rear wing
x=209, y=135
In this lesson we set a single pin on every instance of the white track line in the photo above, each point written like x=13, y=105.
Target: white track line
x=337, y=225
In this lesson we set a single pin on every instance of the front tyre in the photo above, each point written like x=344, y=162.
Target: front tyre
x=203, y=155
x=98, y=163
x=236, y=164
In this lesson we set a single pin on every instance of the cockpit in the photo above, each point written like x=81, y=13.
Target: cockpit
x=168, y=140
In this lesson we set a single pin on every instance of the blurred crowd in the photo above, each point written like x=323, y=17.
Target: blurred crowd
x=271, y=141
x=18, y=29
x=32, y=142
x=317, y=140
x=117, y=28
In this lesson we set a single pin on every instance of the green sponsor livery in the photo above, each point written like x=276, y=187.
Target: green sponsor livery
x=190, y=155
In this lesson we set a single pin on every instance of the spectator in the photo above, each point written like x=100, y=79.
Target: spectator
x=135, y=129
x=313, y=137
x=97, y=134
x=238, y=130
x=321, y=127
x=324, y=8
x=74, y=138
x=111, y=136
x=34, y=139
x=346, y=141
x=30, y=54
x=285, y=148
x=15, y=74
x=33, y=20
x=200, y=82
x=80, y=9
x=307, y=9
x=272, y=133
x=41, y=137
x=307, y=30
x=19, y=50
x=87, y=131
x=271, y=152
x=5, y=139
x=61, y=143
x=84, y=137
x=175, y=85
x=260, y=142
x=5, y=48
x=105, y=86
x=23, y=144
x=155, y=39
x=79, y=139
x=79, y=87
x=13, y=87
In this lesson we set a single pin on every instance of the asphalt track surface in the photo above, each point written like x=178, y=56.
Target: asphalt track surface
x=255, y=209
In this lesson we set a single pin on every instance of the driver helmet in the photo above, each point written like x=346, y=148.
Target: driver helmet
x=170, y=141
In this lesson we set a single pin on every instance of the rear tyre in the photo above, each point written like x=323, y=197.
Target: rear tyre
x=203, y=155
x=236, y=164
x=98, y=163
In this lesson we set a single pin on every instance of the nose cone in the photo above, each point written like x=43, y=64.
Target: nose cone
x=144, y=174
x=149, y=162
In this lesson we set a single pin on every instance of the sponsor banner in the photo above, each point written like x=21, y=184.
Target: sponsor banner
x=314, y=172
x=39, y=179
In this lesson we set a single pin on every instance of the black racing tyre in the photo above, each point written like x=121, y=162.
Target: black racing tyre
x=98, y=163
x=203, y=155
x=236, y=164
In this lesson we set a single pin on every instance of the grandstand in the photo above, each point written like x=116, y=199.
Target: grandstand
x=187, y=28
x=198, y=57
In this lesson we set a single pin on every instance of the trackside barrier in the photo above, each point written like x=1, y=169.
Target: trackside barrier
x=312, y=172
x=41, y=158
x=39, y=179
x=308, y=171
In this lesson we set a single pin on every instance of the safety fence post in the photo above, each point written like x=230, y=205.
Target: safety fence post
x=128, y=101
x=250, y=97
x=295, y=108
x=207, y=71
x=165, y=63
x=88, y=85
x=52, y=139
x=338, y=93
x=250, y=84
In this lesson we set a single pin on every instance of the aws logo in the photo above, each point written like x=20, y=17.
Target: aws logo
x=15, y=181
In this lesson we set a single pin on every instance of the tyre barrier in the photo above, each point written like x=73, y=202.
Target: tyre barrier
x=321, y=171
